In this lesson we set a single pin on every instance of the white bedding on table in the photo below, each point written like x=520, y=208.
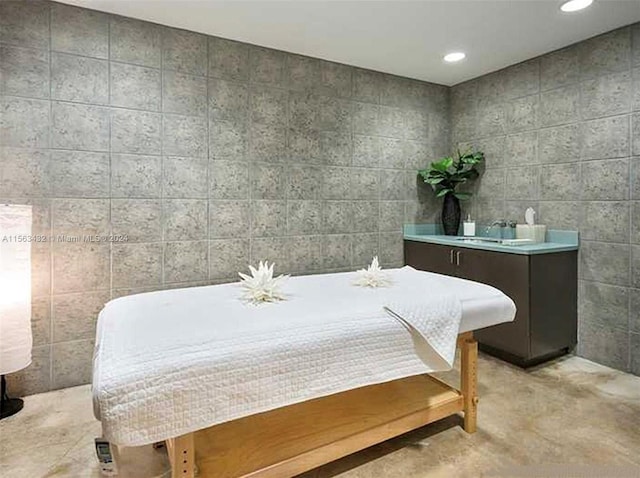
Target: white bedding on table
x=171, y=362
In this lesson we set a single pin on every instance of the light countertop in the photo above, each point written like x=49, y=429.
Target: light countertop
x=556, y=241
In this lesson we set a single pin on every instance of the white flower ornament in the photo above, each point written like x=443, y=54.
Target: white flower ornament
x=372, y=276
x=261, y=286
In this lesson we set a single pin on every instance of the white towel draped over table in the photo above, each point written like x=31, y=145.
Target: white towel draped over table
x=172, y=362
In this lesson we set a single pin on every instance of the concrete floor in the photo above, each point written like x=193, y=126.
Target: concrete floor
x=569, y=413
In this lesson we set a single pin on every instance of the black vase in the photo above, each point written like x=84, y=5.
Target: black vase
x=451, y=215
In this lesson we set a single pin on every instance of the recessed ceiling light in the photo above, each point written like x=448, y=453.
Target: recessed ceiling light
x=453, y=57
x=575, y=5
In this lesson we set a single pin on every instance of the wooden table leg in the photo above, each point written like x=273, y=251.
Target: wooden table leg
x=181, y=452
x=469, y=381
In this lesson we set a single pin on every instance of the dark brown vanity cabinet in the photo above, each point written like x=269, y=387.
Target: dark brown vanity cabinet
x=543, y=287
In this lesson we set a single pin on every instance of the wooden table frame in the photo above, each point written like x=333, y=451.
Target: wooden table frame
x=297, y=438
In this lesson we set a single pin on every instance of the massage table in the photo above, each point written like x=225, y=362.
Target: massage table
x=277, y=389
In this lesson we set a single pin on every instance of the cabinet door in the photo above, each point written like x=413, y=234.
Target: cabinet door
x=510, y=274
x=429, y=257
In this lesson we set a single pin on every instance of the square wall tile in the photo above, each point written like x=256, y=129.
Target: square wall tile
x=522, y=114
x=604, y=262
x=24, y=123
x=25, y=72
x=185, y=177
x=137, y=132
x=559, y=68
x=268, y=106
x=228, y=140
x=559, y=144
x=268, y=218
x=75, y=126
x=391, y=249
x=304, y=217
x=185, y=219
x=606, y=53
x=363, y=183
x=605, y=221
x=561, y=182
x=229, y=219
x=80, y=267
x=79, y=174
x=366, y=216
x=301, y=73
x=560, y=214
x=336, y=149
x=36, y=378
x=337, y=251
x=136, y=176
x=522, y=182
x=366, y=85
x=186, y=261
x=25, y=172
x=79, y=79
x=523, y=79
x=184, y=94
x=606, y=95
x=337, y=217
x=560, y=106
x=301, y=146
x=268, y=143
x=74, y=316
x=135, y=41
x=521, y=149
x=266, y=66
x=304, y=182
x=364, y=249
x=336, y=183
x=268, y=181
x=605, y=345
x=137, y=265
x=228, y=59
x=227, y=258
x=184, y=51
x=603, y=304
x=228, y=180
x=80, y=216
x=137, y=220
x=605, y=179
x=336, y=79
x=605, y=138
x=25, y=23
x=305, y=253
x=228, y=100
x=136, y=87
x=272, y=249
x=71, y=363
x=184, y=136
x=41, y=321
x=79, y=31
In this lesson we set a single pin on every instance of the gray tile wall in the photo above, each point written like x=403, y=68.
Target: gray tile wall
x=208, y=154
x=561, y=133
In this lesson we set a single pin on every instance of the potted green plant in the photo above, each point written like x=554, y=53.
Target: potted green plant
x=445, y=176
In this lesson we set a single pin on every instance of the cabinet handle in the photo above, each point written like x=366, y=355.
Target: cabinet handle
x=451, y=256
x=458, y=258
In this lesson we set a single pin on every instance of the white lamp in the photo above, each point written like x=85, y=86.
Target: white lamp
x=15, y=298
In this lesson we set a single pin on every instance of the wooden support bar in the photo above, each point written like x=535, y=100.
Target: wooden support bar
x=469, y=381
x=181, y=452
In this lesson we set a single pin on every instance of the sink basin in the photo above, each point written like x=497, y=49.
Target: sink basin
x=479, y=240
x=495, y=240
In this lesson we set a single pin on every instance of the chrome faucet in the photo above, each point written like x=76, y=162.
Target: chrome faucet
x=499, y=222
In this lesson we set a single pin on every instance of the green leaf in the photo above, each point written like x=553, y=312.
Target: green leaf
x=462, y=196
x=443, y=192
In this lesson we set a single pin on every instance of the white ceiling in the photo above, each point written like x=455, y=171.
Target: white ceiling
x=406, y=38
